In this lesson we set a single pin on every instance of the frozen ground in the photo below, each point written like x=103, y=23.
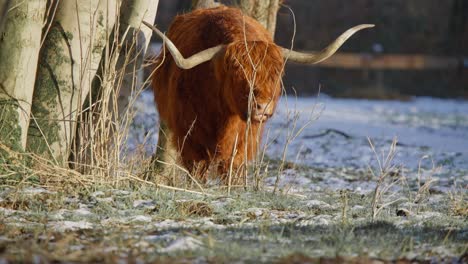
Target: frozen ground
x=424, y=127
x=431, y=132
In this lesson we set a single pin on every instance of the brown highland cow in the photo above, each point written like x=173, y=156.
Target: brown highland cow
x=222, y=94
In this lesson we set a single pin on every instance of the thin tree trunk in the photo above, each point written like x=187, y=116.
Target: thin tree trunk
x=127, y=47
x=68, y=58
x=118, y=75
x=4, y=6
x=199, y=4
x=19, y=51
x=137, y=39
x=264, y=11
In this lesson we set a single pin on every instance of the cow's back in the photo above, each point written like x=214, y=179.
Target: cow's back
x=206, y=28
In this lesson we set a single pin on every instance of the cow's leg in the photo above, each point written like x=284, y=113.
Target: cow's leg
x=232, y=172
x=163, y=164
x=198, y=170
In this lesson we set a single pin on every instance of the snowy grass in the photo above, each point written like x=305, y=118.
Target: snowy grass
x=110, y=225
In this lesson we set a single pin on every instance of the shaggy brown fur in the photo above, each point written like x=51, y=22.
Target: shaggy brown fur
x=207, y=106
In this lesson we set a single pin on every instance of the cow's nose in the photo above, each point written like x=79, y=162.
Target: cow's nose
x=263, y=112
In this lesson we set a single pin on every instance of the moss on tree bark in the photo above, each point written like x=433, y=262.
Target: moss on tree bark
x=68, y=62
x=19, y=50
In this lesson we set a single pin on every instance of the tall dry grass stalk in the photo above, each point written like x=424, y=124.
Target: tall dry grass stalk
x=293, y=131
x=459, y=200
x=388, y=176
x=425, y=183
x=102, y=130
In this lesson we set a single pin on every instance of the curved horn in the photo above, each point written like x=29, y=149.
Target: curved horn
x=313, y=58
x=194, y=60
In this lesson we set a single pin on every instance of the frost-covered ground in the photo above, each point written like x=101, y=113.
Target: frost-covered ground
x=431, y=132
x=424, y=126
x=156, y=226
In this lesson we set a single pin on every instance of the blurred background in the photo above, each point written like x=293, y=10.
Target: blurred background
x=418, y=47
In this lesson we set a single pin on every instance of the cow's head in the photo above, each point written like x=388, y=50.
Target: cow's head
x=250, y=71
x=250, y=76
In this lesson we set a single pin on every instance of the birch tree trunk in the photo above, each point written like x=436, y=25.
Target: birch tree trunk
x=264, y=11
x=199, y=4
x=68, y=58
x=4, y=6
x=119, y=74
x=127, y=47
x=19, y=51
x=136, y=41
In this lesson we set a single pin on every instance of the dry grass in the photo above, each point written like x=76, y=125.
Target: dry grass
x=195, y=208
x=425, y=183
x=388, y=176
x=459, y=201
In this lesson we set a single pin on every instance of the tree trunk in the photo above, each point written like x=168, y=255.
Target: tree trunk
x=264, y=11
x=137, y=39
x=105, y=122
x=19, y=51
x=68, y=59
x=127, y=47
x=199, y=4
x=4, y=6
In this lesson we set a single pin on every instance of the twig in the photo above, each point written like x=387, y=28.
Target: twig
x=184, y=170
x=234, y=152
x=329, y=131
x=162, y=186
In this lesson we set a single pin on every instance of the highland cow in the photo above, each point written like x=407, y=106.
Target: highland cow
x=216, y=102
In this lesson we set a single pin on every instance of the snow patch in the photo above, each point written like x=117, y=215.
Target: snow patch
x=63, y=226
x=183, y=244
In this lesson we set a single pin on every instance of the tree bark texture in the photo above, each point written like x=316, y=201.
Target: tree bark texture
x=136, y=41
x=199, y=4
x=127, y=46
x=19, y=51
x=68, y=60
x=4, y=6
x=117, y=77
x=264, y=11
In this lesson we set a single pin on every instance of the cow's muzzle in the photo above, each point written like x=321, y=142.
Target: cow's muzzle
x=262, y=112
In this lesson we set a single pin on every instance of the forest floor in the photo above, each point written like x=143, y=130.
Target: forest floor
x=324, y=210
